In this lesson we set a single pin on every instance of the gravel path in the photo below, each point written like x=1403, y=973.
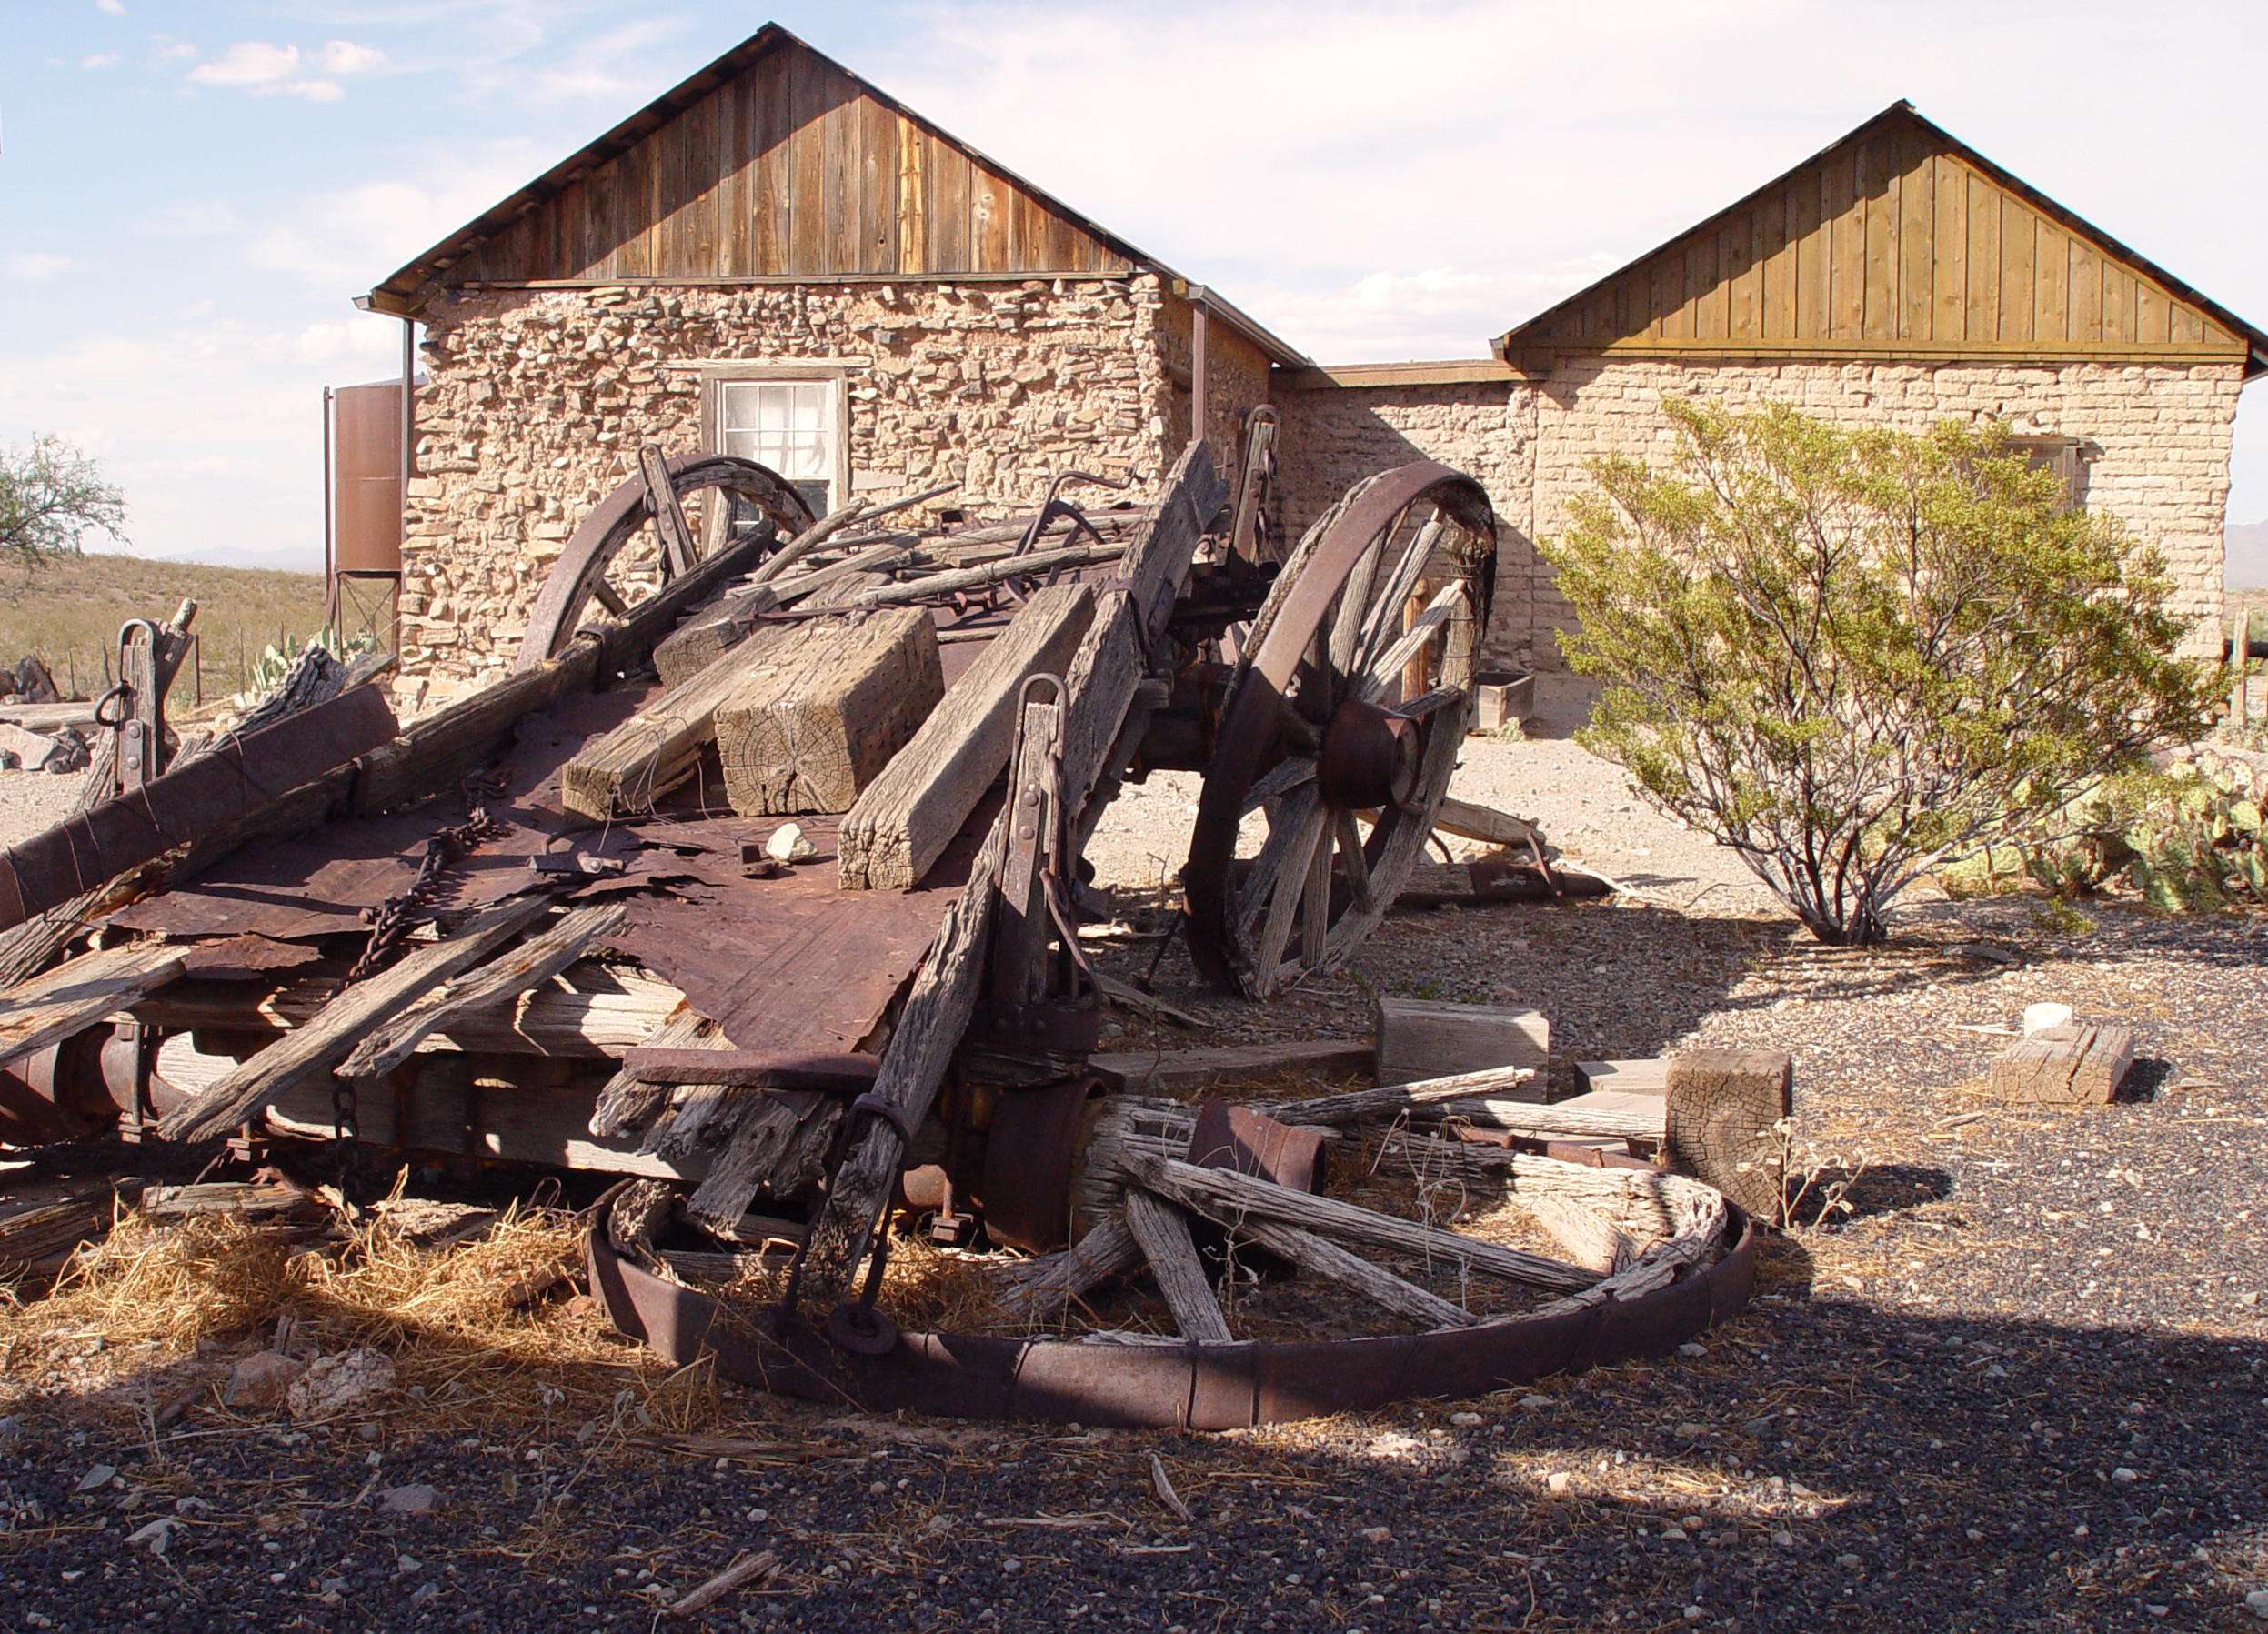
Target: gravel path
x=2011, y=1373
x=33, y=801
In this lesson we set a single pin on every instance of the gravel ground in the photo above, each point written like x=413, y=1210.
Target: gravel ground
x=31, y=801
x=2011, y=1372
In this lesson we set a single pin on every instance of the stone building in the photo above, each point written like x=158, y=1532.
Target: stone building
x=778, y=260
x=1896, y=278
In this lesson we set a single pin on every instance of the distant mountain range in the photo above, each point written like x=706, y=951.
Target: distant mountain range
x=277, y=561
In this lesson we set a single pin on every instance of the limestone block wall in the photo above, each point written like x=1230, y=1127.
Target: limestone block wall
x=536, y=403
x=1334, y=437
x=2157, y=437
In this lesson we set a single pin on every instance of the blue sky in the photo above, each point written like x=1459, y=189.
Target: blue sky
x=191, y=191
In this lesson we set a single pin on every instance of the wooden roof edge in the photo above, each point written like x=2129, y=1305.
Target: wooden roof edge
x=1277, y=350
x=407, y=290
x=1522, y=336
x=1341, y=377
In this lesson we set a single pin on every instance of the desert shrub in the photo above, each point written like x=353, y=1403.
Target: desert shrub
x=2185, y=839
x=1849, y=655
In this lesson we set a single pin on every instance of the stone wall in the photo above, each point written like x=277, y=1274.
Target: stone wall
x=538, y=401
x=2158, y=437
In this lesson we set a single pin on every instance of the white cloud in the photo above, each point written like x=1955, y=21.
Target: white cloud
x=101, y=59
x=34, y=266
x=367, y=336
x=314, y=90
x=344, y=57
x=115, y=7
x=345, y=241
x=248, y=63
x=179, y=48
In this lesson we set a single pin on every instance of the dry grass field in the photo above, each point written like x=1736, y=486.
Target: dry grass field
x=68, y=611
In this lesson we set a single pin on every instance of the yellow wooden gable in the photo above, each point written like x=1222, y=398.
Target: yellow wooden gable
x=1897, y=241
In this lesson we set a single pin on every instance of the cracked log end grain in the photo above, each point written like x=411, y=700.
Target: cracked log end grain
x=2070, y=1065
x=1723, y=1105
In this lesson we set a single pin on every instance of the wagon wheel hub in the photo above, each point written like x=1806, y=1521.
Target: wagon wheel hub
x=1370, y=757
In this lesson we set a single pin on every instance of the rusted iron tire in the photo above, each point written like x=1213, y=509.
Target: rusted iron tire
x=576, y=577
x=1312, y=732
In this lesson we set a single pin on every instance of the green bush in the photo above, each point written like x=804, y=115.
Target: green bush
x=2185, y=839
x=1853, y=656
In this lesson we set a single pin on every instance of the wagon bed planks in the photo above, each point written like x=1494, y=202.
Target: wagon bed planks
x=53, y=1005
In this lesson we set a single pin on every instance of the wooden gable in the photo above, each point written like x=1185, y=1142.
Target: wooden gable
x=1896, y=242
x=774, y=162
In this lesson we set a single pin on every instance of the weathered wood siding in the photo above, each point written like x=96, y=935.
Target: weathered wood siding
x=789, y=169
x=1891, y=243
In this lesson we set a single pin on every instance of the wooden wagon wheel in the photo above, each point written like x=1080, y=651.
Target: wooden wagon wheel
x=1342, y=712
x=580, y=575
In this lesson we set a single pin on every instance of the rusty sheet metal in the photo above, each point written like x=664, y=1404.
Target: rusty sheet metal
x=784, y=964
x=1182, y=1386
x=200, y=797
x=1231, y=1136
x=245, y=958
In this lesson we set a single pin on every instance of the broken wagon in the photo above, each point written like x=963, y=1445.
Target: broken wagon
x=757, y=882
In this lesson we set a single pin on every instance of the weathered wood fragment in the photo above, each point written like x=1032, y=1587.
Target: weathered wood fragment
x=658, y=747
x=1423, y=1038
x=705, y=637
x=1327, y=1260
x=1044, y=1285
x=38, y=1241
x=1163, y=1233
x=1468, y=820
x=310, y=1052
x=1723, y=1110
x=1591, y=1241
x=53, y=1005
x=816, y=721
x=2073, y=1065
x=1229, y=1198
x=1167, y=1072
x=530, y=965
x=1032, y=565
x=903, y=821
x=1602, y=1112
x=1425, y=1098
x=748, y=1569
x=755, y=1069
x=629, y=1102
x=777, y=1144
x=1645, y=1075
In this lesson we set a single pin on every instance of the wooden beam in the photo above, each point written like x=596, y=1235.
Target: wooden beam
x=530, y=965
x=1177, y=1071
x=1163, y=1233
x=1391, y=1101
x=309, y=1053
x=1591, y=1241
x=903, y=821
x=1044, y=1285
x=1422, y=1039
x=630, y=767
x=1224, y=1196
x=1722, y=1111
x=629, y=1102
x=51, y=1006
x=822, y=716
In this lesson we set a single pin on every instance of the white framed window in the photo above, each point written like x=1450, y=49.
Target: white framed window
x=794, y=424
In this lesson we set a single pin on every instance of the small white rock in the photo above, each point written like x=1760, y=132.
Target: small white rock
x=2038, y=1018
x=789, y=844
x=1465, y=1420
x=96, y=1478
x=1690, y=1348
x=153, y=1537
x=2125, y=1477
x=1535, y=1401
x=2256, y=1603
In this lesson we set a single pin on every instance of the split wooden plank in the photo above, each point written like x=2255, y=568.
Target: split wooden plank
x=53, y=1005
x=1420, y=1039
x=820, y=718
x=660, y=746
x=777, y=1142
x=1229, y=1197
x=1327, y=1260
x=1643, y=1076
x=1426, y=1097
x=530, y=965
x=629, y=1102
x=903, y=821
x=1045, y=1285
x=1601, y=1113
x=309, y=1053
x=1723, y=1108
x=2073, y=1065
x=1167, y=1072
x=1163, y=1232
x=1468, y=820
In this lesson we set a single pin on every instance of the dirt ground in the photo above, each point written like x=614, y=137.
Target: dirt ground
x=2011, y=1372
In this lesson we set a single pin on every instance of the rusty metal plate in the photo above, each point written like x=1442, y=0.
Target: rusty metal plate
x=245, y=958
x=1194, y=1387
x=1232, y=1136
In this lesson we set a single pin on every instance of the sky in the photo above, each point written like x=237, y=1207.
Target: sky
x=192, y=191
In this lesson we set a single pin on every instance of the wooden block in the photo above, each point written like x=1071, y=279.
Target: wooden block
x=818, y=720
x=1422, y=1038
x=705, y=637
x=1648, y=1076
x=1153, y=1072
x=1503, y=698
x=660, y=746
x=1721, y=1106
x=902, y=821
x=2073, y=1065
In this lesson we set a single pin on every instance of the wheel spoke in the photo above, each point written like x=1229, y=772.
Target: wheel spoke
x=1357, y=866
x=1425, y=704
x=1386, y=609
x=1315, y=903
x=1388, y=667
x=608, y=598
x=1352, y=614
x=1289, y=889
x=1285, y=777
x=1284, y=823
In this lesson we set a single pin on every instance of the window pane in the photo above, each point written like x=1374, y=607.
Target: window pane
x=786, y=425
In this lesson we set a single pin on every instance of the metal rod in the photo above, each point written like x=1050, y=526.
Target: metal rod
x=1197, y=362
